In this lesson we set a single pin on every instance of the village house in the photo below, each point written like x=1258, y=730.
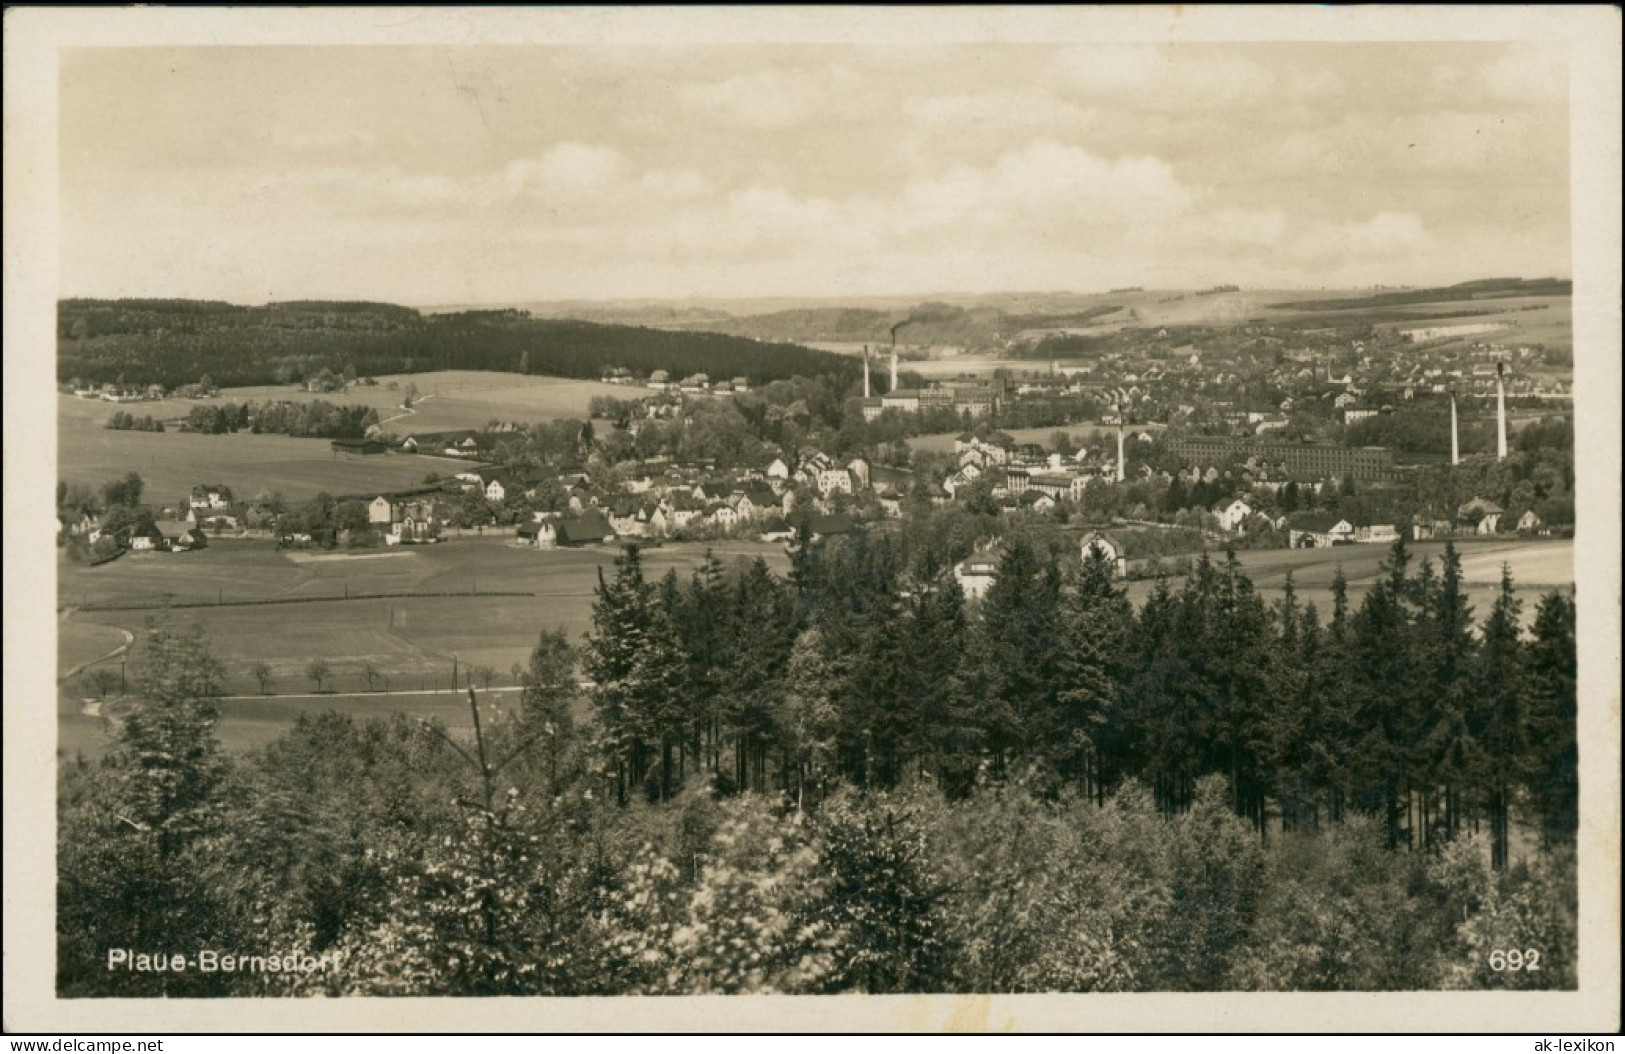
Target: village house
x=217, y=520
x=1376, y=533
x=1483, y=516
x=976, y=574
x=1318, y=530
x=148, y=540
x=831, y=480
x=1233, y=515
x=187, y=541
x=624, y=516
x=1036, y=501
x=1054, y=486
x=210, y=496
x=587, y=529
x=1097, y=545
x=538, y=534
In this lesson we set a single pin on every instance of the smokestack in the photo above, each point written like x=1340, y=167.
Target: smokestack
x=1122, y=470
x=894, y=358
x=866, y=371
x=1455, y=442
x=1500, y=412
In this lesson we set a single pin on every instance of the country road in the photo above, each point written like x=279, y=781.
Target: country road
x=129, y=639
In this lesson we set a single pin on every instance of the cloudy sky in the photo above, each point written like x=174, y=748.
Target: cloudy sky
x=431, y=175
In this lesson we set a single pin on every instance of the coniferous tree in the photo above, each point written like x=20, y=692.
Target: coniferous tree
x=1551, y=705
x=1496, y=717
x=934, y=633
x=1094, y=621
x=1020, y=651
x=1449, y=758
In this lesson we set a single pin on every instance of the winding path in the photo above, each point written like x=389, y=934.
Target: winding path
x=408, y=411
x=129, y=639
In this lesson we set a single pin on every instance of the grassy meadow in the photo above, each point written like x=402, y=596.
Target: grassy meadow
x=171, y=462
x=414, y=643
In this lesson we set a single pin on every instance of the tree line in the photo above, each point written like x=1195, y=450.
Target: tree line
x=316, y=419
x=869, y=668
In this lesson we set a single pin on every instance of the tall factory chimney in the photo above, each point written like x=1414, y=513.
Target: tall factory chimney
x=1455, y=441
x=1122, y=468
x=1500, y=412
x=866, y=371
x=894, y=360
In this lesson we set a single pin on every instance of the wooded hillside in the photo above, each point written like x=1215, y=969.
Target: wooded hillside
x=175, y=342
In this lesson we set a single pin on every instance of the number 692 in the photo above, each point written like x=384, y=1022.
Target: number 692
x=1515, y=960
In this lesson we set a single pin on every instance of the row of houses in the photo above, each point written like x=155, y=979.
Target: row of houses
x=693, y=384
x=1477, y=517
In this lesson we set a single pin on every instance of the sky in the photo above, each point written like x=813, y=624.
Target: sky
x=480, y=174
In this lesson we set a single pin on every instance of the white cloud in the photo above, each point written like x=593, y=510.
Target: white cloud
x=675, y=184
x=774, y=99
x=567, y=168
x=1047, y=185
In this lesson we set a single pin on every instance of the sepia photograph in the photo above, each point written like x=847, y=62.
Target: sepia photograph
x=989, y=503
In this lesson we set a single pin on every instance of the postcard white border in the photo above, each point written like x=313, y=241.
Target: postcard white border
x=32, y=38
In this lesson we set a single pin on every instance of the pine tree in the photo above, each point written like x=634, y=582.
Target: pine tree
x=934, y=633
x=1094, y=620
x=621, y=618
x=1019, y=647
x=1551, y=705
x=806, y=721
x=547, y=686
x=1448, y=759
x=1496, y=717
x=764, y=628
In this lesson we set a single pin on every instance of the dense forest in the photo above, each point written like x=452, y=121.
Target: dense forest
x=849, y=779
x=176, y=342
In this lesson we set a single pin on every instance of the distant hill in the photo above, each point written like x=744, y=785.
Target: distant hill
x=1482, y=289
x=173, y=342
x=936, y=322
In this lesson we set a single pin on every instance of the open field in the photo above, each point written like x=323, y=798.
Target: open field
x=170, y=463
x=1537, y=567
x=414, y=643
x=454, y=399
x=80, y=643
